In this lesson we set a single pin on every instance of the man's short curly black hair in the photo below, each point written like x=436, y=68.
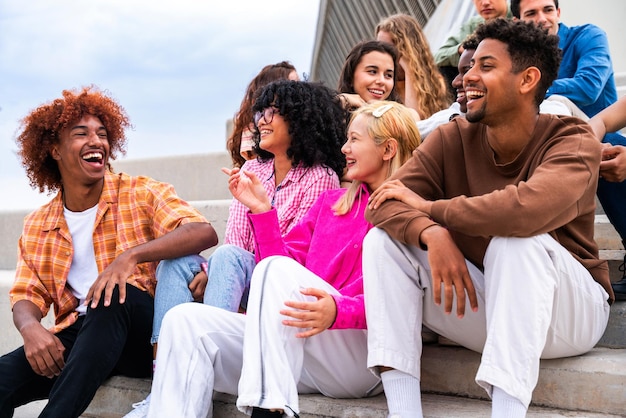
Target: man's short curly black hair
x=528, y=46
x=316, y=122
x=470, y=42
x=40, y=130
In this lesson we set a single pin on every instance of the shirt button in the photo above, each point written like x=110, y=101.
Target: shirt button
x=67, y=253
x=356, y=245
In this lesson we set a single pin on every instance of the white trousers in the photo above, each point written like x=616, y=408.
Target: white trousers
x=534, y=301
x=202, y=348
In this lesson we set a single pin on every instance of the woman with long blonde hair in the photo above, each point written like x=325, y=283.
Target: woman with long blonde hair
x=305, y=329
x=419, y=82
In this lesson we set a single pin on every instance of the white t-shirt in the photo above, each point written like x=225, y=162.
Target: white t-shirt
x=84, y=270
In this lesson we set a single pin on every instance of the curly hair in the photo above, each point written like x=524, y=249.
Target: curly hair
x=316, y=122
x=408, y=38
x=243, y=117
x=40, y=130
x=515, y=7
x=346, y=78
x=385, y=120
x=470, y=42
x=528, y=46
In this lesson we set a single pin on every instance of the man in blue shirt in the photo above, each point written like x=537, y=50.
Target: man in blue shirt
x=586, y=81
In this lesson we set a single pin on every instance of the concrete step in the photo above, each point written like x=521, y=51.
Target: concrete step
x=593, y=385
x=593, y=382
x=434, y=405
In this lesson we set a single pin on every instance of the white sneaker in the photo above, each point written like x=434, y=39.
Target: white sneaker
x=140, y=409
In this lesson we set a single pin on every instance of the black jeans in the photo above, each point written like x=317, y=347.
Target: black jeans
x=104, y=342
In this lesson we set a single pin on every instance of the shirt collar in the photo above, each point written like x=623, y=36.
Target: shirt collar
x=55, y=219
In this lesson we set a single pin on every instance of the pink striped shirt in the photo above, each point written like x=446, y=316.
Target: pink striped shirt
x=292, y=198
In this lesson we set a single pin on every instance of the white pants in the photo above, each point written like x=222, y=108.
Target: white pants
x=534, y=301
x=571, y=106
x=202, y=348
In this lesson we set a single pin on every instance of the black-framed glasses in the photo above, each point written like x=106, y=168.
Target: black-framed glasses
x=267, y=114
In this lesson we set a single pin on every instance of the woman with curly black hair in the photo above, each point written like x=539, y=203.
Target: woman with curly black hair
x=301, y=128
x=314, y=122
x=240, y=143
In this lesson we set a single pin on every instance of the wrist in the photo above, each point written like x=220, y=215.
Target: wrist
x=431, y=233
x=261, y=208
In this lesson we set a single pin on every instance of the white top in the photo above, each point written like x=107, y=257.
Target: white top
x=83, y=271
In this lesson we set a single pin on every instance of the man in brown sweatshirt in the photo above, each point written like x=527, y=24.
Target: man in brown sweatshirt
x=494, y=212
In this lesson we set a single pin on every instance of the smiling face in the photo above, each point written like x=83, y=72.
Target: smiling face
x=364, y=158
x=274, y=134
x=543, y=12
x=373, y=76
x=457, y=83
x=82, y=152
x=490, y=9
x=490, y=83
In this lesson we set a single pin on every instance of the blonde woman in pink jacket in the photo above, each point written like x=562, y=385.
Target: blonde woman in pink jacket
x=305, y=328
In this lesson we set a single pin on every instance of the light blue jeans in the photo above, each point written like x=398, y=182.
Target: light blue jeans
x=229, y=270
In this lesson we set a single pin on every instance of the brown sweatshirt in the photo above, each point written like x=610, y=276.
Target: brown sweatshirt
x=549, y=188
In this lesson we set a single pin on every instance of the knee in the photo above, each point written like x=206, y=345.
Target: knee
x=509, y=243
x=501, y=248
x=187, y=267
x=230, y=263
x=226, y=253
x=375, y=239
x=275, y=270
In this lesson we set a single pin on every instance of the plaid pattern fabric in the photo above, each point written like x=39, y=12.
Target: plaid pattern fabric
x=131, y=211
x=292, y=199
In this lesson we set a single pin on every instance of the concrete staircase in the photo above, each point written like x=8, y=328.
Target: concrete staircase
x=593, y=385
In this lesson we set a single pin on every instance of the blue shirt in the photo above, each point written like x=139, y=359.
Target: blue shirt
x=586, y=72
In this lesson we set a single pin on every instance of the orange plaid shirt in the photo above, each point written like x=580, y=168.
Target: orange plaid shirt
x=131, y=211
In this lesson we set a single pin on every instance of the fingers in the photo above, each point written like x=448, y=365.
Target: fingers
x=302, y=315
x=122, y=287
x=460, y=301
x=311, y=291
x=302, y=320
x=108, y=293
x=48, y=362
x=197, y=286
x=437, y=290
x=309, y=333
x=103, y=289
x=609, y=170
x=252, y=176
x=385, y=192
x=94, y=295
x=57, y=358
x=298, y=310
x=392, y=189
x=314, y=316
x=459, y=289
x=229, y=171
x=471, y=292
x=448, y=293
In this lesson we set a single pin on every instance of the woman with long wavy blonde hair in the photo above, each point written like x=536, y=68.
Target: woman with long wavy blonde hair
x=420, y=84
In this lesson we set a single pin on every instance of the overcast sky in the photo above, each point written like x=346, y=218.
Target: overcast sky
x=179, y=68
